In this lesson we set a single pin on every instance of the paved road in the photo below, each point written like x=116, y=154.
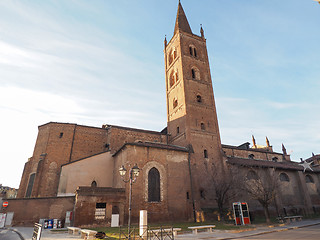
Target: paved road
x=312, y=232
x=7, y=234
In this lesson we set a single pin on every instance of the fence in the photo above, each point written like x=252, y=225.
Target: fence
x=149, y=233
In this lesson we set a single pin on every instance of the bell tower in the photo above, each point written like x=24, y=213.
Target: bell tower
x=191, y=112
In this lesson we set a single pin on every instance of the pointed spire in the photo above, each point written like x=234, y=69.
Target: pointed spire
x=254, y=142
x=201, y=31
x=267, y=142
x=284, y=150
x=181, y=21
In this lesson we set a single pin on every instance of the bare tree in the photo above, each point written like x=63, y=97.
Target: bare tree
x=264, y=191
x=224, y=184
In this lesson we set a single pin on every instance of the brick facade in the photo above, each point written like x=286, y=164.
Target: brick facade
x=185, y=156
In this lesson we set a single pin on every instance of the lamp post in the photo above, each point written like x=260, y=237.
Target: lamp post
x=133, y=174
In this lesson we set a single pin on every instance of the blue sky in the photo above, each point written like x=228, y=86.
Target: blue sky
x=95, y=62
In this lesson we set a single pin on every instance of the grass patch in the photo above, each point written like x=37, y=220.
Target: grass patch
x=113, y=233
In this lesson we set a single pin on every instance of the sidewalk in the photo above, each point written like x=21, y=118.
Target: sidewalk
x=229, y=234
x=216, y=234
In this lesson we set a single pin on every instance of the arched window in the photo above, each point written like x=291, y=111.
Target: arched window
x=94, y=184
x=284, y=177
x=170, y=58
x=202, y=194
x=192, y=51
x=309, y=179
x=251, y=156
x=30, y=185
x=193, y=73
x=275, y=159
x=115, y=210
x=203, y=127
x=153, y=185
x=174, y=54
x=175, y=103
x=251, y=175
x=205, y=153
x=171, y=79
x=199, y=99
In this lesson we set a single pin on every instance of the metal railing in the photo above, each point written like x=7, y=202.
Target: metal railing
x=148, y=233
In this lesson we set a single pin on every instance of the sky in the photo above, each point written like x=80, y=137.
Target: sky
x=101, y=61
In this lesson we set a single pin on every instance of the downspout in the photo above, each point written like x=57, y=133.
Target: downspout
x=190, y=150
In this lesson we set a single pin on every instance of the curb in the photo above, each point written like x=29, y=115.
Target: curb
x=272, y=231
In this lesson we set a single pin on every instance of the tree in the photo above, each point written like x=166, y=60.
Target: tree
x=224, y=184
x=262, y=191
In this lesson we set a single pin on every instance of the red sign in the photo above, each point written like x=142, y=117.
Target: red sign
x=5, y=204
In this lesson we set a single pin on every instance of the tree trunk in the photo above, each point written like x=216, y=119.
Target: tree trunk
x=266, y=213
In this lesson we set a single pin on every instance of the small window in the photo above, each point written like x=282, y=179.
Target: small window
x=195, y=52
x=61, y=135
x=309, y=179
x=106, y=145
x=199, y=99
x=178, y=130
x=202, y=194
x=205, y=153
x=193, y=73
x=175, y=54
x=94, y=184
x=188, y=197
x=172, y=79
x=175, y=103
x=100, y=213
x=251, y=175
x=203, y=126
x=115, y=210
x=190, y=50
x=275, y=159
x=284, y=177
x=251, y=156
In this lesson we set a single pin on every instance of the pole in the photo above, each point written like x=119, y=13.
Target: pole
x=130, y=196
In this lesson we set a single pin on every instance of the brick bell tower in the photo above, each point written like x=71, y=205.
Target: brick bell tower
x=191, y=112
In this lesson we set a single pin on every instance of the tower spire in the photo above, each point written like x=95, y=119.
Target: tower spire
x=181, y=21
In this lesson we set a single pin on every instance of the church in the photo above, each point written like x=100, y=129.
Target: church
x=75, y=168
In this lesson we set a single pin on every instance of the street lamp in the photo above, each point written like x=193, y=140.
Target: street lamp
x=133, y=174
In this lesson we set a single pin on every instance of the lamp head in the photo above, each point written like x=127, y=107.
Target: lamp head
x=135, y=170
x=122, y=170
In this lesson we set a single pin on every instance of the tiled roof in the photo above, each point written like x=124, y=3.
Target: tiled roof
x=154, y=145
x=267, y=164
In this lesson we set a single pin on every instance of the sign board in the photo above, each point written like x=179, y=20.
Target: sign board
x=115, y=220
x=36, y=231
x=2, y=219
x=9, y=219
x=5, y=204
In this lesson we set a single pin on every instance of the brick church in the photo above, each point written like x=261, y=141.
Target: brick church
x=76, y=168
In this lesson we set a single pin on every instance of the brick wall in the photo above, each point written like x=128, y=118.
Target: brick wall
x=29, y=211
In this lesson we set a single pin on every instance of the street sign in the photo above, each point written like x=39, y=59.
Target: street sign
x=5, y=204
